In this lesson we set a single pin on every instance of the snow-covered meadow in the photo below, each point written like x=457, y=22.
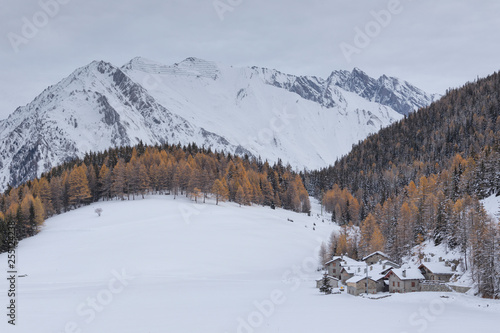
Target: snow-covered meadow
x=165, y=265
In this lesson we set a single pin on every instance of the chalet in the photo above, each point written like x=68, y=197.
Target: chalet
x=332, y=281
x=375, y=257
x=436, y=271
x=404, y=280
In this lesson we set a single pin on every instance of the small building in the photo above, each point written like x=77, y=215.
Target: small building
x=334, y=267
x=361, y=284
x=332, y=281
x=376, y=257
x=434, y=271
x=404, y=280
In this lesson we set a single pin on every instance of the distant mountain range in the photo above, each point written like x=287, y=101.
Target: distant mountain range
x=304, y=120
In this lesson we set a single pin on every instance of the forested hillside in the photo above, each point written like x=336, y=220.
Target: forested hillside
x=127, y=173
x=422, y=178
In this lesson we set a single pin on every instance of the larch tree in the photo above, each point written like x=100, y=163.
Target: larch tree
x=78, y=186
x=220, y=190
x=119, y=180
x=105, y=182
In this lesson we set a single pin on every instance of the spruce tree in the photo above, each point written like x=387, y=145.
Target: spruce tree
x=325, y=285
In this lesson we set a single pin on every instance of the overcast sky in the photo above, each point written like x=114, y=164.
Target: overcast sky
x=432, y=44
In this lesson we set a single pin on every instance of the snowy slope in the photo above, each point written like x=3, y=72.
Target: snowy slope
x=305, y=121
x=492, y=206
x=185, y=267
x=260, y=110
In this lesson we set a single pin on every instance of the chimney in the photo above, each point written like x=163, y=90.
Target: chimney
x=441, y=259
x=371, y=268
x=404, y=273
x=383, y=267
x=359, y=269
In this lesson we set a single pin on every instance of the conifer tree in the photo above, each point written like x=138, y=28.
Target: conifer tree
x=119, y=182
x=220, y=190
x=105, y=182
x=240, y=196
x=325, y=285
x=78, y=186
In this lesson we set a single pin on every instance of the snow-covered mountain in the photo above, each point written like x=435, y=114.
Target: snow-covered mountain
x=390, y=91
x=305, y=121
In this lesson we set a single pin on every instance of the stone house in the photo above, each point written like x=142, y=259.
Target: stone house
x=436, y=271
x=334, y=267
x=404, y=280
x=376, y=257
x=359, y=284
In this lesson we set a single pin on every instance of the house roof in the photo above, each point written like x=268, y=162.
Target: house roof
x=374, y=253
x=390, y=263
x=411, y=274
x=351, y=262
x=333, y=259
x=354, y=269
x=437, y=268
x=357, y=278
x=346, y=261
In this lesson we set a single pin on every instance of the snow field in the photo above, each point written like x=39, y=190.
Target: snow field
x=165, y=265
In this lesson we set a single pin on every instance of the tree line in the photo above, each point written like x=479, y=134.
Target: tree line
x=420, y=179
x=127, y=173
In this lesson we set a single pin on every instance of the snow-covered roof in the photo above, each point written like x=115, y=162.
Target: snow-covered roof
x=356, y=278
x=388, y=263
x=375, y=270
x=374, y=253
x=437, y=268
x=357, y=270
x=333, y=259
x=411, y=274
x=346, y=261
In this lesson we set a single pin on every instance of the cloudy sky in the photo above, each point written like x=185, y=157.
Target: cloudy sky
x=432, y=44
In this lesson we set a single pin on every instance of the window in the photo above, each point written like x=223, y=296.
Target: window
x=333, y=264
x=333, y=270
x=398, y=284
x=413, y=284
x=393, y=283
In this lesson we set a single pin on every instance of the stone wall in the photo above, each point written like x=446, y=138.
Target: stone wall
x=460, y=289
x=439, y=287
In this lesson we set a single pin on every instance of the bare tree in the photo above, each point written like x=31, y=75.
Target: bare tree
x=98, y=211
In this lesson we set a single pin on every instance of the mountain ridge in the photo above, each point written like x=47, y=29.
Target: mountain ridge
x=295, y=118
